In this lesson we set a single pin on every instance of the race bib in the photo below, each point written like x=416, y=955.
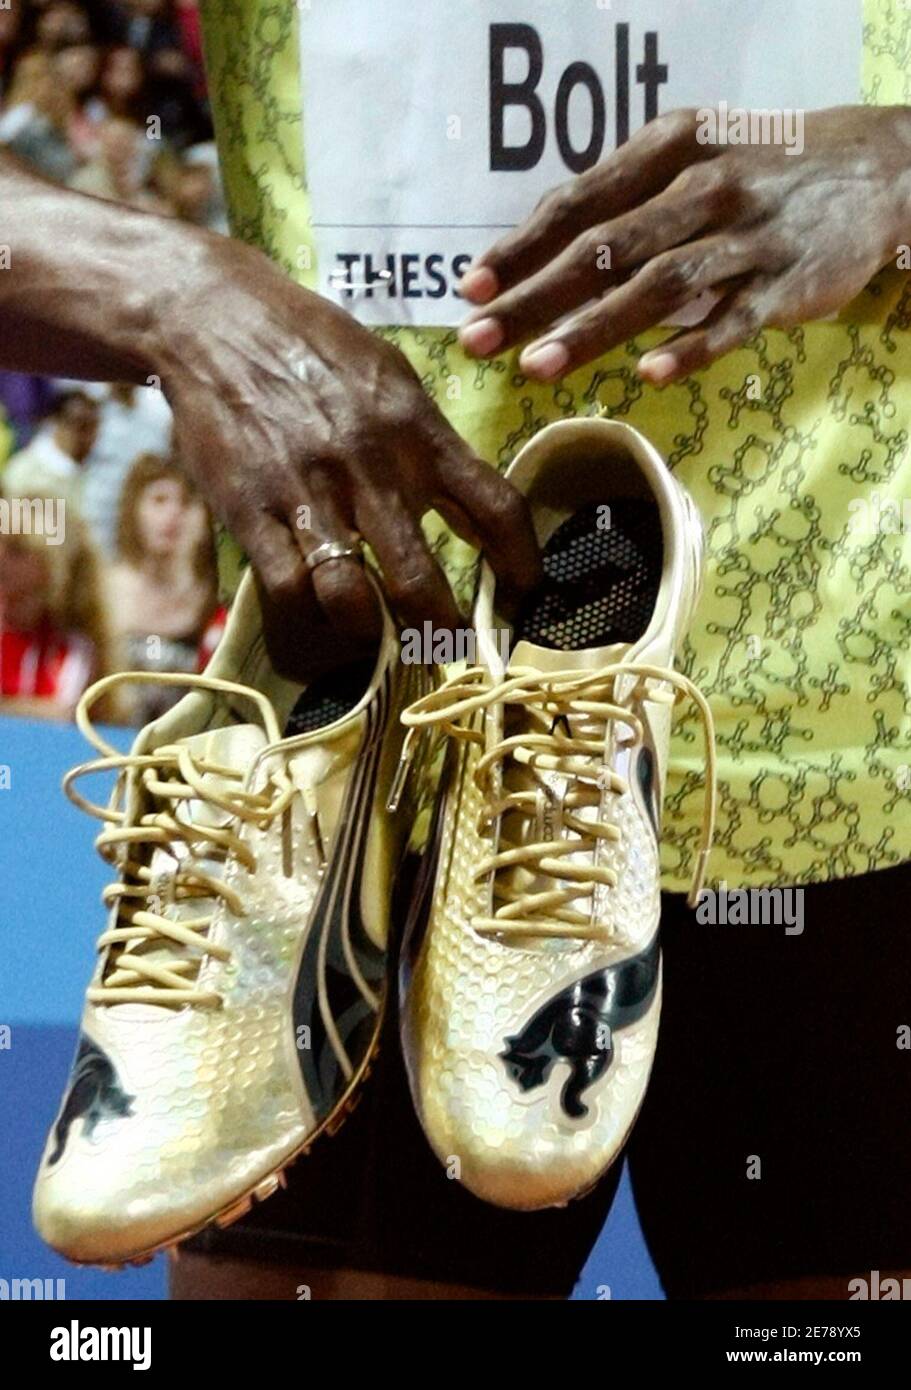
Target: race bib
x=432, y=128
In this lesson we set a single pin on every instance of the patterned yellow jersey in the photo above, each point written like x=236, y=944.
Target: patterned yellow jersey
x=802, y=640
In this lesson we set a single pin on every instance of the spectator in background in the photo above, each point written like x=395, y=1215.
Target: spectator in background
x=51, y=464
x=134, y=420
x=120, y=170
x=76, y=68
x=61, y=23
x=196, y=193
x=53, y=629
x=148, y=28
x=163, y=588
x=121, y=86
x=10, y=36
x=35, y=121
x=189, y=29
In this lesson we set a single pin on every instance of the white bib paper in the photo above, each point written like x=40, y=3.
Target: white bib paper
x=433, y=127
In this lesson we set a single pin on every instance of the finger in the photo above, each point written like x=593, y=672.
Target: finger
x=652, y=296
x=637, y=171
x=287, y=602
x=599, y=259
x=488, y=511
x=299, y=638
x=416, y=585
x=305, y=646
x=483, y=507
x=736, y=320
x=342, y=589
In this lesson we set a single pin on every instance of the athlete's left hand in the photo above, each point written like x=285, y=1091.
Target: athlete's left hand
x=783, y=238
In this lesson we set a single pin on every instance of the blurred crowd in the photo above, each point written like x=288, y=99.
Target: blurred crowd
x=107, y=97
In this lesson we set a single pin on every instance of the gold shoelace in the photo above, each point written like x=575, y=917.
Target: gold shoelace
x=551, y=699
x=170, y=775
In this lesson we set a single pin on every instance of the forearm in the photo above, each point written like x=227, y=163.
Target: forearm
x=84, y=283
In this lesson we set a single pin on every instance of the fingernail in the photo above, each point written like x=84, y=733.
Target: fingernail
x=545, y=360
x=657, y=366
x=482, y=336
x=478, y=285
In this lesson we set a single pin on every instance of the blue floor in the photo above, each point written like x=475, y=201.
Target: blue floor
x=50, y=917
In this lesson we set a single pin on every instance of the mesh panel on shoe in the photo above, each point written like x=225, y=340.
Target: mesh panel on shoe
x=602, y=571
x=329, y=697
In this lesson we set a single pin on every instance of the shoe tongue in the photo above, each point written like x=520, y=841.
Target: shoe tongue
x=234, y=747
x=548, y=824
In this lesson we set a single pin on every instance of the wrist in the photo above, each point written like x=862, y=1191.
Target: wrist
x=208, y=301
x=89, y=283
x=171, y=269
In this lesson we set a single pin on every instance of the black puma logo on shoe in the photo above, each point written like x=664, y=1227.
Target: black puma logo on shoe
x=94, y=1094
x=578, y=1025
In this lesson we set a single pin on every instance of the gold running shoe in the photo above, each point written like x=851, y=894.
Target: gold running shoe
x=241, y=975
x=530, y=1005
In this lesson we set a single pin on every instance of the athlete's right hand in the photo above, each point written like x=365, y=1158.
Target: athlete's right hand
x=282, y=403
x=301, y=427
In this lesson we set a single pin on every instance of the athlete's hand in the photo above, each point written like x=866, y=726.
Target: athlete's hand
x=301, y=427
x=783, y=238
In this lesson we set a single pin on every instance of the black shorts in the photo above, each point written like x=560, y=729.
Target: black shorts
x=774, y=1141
